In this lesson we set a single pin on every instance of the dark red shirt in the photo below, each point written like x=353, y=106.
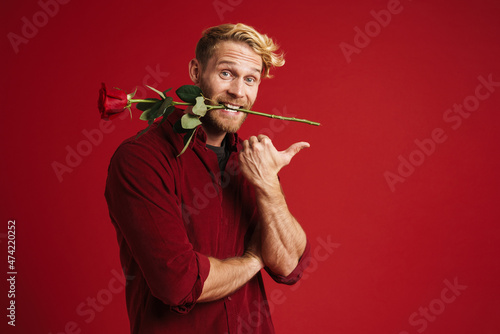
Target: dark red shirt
x=170, y=214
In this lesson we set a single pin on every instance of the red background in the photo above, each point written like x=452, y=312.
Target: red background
x=392, y=250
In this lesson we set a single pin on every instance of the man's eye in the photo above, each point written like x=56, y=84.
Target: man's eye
x=225, y=74
x=250, y=80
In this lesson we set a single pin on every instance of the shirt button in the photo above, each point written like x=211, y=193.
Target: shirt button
x=228, y=298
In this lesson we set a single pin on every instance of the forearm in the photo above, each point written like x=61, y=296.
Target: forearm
x=227, y=276
x=283, y=239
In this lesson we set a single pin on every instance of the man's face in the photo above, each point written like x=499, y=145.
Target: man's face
x=231, y=77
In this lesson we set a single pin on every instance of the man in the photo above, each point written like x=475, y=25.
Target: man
x=196, y=230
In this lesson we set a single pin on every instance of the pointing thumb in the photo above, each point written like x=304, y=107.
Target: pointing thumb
x=295, y=148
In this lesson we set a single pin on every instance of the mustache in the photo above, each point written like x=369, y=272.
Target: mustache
x=223, y=98
x=229, y=100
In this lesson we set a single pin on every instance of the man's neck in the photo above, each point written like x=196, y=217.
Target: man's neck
x=214, y=138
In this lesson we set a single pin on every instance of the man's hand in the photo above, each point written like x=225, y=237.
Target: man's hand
x=260, y=161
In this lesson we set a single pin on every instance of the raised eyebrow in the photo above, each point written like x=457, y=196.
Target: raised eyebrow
x=227, y=62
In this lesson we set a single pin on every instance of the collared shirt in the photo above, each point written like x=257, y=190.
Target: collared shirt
x=170, y=213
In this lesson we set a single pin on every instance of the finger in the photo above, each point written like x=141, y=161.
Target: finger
x=266, y=141
x=295, y=148
x=245, y=145
x=262, y=137
x=253, y=140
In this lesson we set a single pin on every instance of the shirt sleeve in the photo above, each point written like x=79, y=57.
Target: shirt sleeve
x=140, y=191
x=296, y=274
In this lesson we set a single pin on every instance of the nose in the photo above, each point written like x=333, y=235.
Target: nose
x=236, y=88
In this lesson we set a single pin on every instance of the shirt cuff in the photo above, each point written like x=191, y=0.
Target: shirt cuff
x=296, y=274
x=203, y=270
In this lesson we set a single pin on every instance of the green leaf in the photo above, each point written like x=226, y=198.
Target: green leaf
x=166, y=103
x=142, y=132
x=166, y=91
x=152, y=113
x=187, y=139
x=167, y=113
x=146, y=105
x=178, y=127
x=144, y=116
x=188, y=93
x=158, y=109
x=156, y=90
x=200, y=107
x=131, y=95
x=189, y=121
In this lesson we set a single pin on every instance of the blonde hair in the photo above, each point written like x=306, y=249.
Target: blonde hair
x=261, y=44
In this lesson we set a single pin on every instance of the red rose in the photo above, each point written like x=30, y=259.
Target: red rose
x=111, y=102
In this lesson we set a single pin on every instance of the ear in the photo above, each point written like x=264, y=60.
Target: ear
x=194, y=71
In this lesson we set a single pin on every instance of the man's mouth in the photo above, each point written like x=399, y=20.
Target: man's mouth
x=231, y=107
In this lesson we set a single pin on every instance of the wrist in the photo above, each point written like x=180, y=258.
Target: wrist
x=253, y=261
x=268, y=187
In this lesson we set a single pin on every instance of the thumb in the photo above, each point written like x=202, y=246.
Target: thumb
x=294, y=149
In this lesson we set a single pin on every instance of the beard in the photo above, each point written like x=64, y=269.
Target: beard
x=221, y=123
x=219, y=120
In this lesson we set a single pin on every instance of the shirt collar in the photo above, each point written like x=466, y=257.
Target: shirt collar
x=231, y=139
